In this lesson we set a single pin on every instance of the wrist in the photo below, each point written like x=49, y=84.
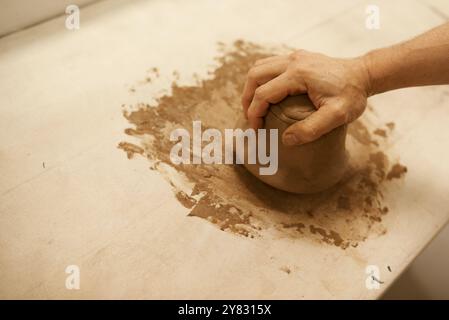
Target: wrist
x=383, y=69
x=364, y=74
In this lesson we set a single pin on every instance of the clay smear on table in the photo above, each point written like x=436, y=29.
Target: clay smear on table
x=235, y=201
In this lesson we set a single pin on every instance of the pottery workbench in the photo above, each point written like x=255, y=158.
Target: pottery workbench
x=69, y=196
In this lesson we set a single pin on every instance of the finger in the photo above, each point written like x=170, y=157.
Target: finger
x=273, y=91
x=270, y=59
x=314, y=126
x=258, y=76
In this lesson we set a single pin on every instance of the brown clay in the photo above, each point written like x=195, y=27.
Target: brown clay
x=307, y=168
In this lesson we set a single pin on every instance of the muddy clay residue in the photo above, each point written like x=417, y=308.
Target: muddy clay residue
x=230, y=197
x=130, y=149
x=396, y=172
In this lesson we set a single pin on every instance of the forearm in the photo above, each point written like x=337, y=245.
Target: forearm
x=421, y=61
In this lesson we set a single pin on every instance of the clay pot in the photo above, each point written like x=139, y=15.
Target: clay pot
x=307, y=168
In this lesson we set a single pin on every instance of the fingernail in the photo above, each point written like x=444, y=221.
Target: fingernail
x=290, y=139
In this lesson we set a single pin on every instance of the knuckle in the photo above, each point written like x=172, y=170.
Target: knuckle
x=297, y=55
x=251, y=113
x=258, y=62
x=259, y=94
x=308, y=132
x=252, y=74
x=339, y=113
x=296, y=68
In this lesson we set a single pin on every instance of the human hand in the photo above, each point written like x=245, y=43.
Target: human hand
x=338, y=88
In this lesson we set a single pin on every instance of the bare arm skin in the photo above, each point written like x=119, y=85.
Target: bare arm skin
x=421, y=61
x=339, y=88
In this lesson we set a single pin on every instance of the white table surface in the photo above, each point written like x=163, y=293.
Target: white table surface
x=60, y=104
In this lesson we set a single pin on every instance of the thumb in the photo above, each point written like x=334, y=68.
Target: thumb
x=320, y=122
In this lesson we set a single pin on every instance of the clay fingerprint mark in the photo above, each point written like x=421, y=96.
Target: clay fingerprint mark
x=228, y=196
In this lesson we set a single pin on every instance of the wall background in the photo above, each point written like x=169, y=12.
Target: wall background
x=427, y=277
